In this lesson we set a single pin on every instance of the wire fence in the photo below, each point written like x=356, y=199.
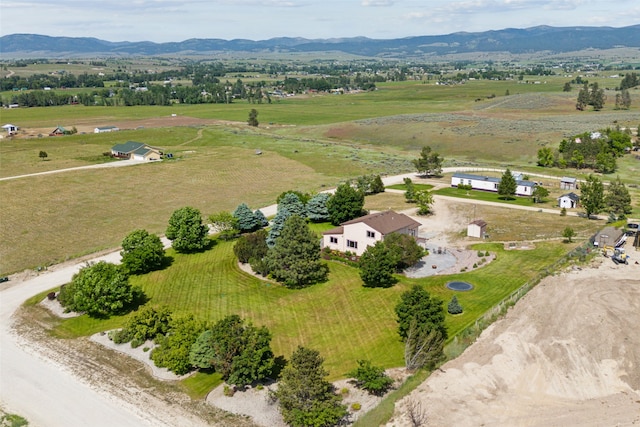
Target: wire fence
x=468, y=335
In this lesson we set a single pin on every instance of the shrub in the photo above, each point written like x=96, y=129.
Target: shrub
x=355, y=406
x=371, y=378
x=344, y=391
x=259, y=387
x=145, y=349
x=475, y=265
x=563, y=212
x=228, y=391
x=51, y=296
x=480, y=254
x=454, y=306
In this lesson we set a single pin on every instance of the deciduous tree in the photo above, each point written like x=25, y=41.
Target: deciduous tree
x=186, y=230
x=545, y=157
x=539, y=193
x=592, y=195
x=142, y=252
x=406, y=251
x=377, y=265
x=100, y=290
x=173, y=349
x=346, y=204
x=225, y=224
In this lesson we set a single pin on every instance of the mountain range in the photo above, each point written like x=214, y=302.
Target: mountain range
x=514, y=41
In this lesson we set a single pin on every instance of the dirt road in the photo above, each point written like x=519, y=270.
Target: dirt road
x=568, y=354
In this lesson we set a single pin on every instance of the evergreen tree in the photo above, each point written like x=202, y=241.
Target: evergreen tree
x=246, y=219
x=305, y=397
x=294, y=260
x=596, y=97
x=317, y=210
x=186, y=230
x=592, y=195
x=346, y=204
x=371, y=378
x=292, y=203
x=454, y=306
x=618, y=200
x=410, y=192
x=377, y=186
x=261, y=220
x=429, y=163
x=583, y=97
x=377, y=265
x=507, y=185
x=277, y=225
x=416, y=304
x=253, y=118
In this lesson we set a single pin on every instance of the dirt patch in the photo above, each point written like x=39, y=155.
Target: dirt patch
x=566, y=355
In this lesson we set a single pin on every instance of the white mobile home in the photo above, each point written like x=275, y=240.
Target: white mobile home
x=488, y=183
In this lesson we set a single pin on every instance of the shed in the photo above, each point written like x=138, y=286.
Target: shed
x=569, y=200
x=104, y=129
x=568, y=183
x=10, y=129
x=608, y=236
x=477, y=228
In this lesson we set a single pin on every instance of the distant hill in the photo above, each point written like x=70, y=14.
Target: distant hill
x=514, y=41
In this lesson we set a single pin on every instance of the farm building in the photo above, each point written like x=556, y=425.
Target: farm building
x=10, y=129
x=59, y=130
x=568, y=183
x=488, y=183
x=569, y=200
x=136, y=151
x=477, y=228
x=608, y=236
x=358, y=234
x=105, y=129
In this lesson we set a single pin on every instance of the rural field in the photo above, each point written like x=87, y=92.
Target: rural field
x=306, y=143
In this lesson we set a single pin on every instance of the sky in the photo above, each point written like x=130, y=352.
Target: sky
x=178, y=20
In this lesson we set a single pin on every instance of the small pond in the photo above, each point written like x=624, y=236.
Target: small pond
x=459, y=286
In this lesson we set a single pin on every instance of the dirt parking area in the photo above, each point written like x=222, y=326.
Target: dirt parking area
x=566, y=355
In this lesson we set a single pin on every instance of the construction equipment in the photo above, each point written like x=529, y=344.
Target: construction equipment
x=608, y=249
x=619, y=256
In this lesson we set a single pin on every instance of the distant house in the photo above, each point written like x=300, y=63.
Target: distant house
x=105, y=129
x=488, y=183
x=567, y=183
x=477, y=228
x=569, y=200
x=10, y=129
x=136, y=151
x=358, y=234
x=59, y=130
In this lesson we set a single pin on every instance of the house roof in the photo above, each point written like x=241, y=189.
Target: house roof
x=128, y=147
x=384, y=222
x=106, y=127
x=608, y=236
x=492, y=179
x=572, y=196
x=479, y=223
x=568, y=179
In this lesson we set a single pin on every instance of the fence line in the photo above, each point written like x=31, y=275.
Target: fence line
x=471, y=332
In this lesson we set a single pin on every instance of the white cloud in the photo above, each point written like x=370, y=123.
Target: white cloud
x=377, y=3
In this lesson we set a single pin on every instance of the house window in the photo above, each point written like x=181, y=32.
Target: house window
x=468, y=182
x=371, y=234
x=495, y=186
x=333, y=239
x=352, y=244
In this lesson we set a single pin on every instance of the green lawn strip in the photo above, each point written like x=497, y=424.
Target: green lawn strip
x=489, y=196
x=198, y=385
x=417, y=187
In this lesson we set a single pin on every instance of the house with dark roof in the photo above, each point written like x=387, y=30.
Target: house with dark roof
x=489, y=183
x=569, y=200
x=58, y=131
x=136, y=151
x=358, y=234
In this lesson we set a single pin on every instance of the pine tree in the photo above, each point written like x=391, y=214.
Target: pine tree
x=454, y=306
x=247, y=221
x=507, y=185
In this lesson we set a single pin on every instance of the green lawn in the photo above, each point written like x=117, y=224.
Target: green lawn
x=491, y=197
x=417, y=187
x=340, y=318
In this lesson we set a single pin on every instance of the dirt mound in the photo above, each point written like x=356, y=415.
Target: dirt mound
x=566, y=355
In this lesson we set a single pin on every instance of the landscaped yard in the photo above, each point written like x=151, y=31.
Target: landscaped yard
x=342, y=319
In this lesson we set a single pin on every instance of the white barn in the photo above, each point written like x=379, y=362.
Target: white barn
x=488, y=183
